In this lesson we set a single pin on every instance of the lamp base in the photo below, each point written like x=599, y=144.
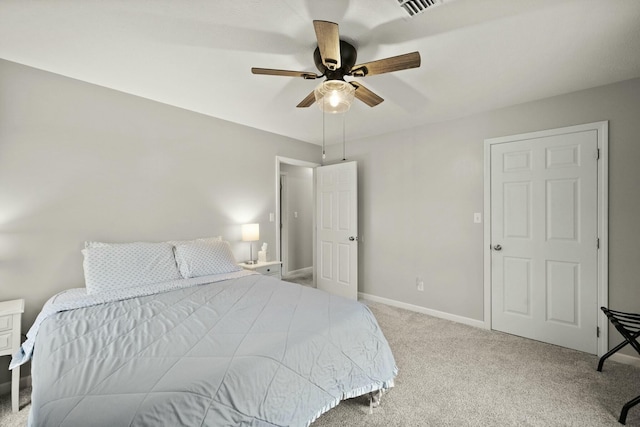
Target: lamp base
x=251, y=260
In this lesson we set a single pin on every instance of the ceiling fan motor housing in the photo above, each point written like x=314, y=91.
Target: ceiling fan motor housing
x=348, y=57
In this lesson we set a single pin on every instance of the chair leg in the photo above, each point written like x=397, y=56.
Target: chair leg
x=609, y=353
x=625, y=409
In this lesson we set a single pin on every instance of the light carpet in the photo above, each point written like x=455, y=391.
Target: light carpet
x=304, y=278
x=457, y=375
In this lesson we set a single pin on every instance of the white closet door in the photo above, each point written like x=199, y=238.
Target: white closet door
x=544, y=238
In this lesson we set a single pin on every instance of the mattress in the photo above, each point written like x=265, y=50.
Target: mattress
x=249, y=350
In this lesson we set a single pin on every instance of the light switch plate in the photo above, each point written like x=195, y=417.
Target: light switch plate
x=477, y=217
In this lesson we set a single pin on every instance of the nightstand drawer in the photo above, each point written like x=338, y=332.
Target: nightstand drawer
x=6, y=322
x=5, y=342
x=269, y=270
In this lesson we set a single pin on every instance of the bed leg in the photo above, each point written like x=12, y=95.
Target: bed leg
x=374, y=400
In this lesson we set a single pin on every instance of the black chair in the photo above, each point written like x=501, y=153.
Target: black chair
x=628, y=324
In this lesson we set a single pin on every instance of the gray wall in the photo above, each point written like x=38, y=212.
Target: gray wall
x=418, y=191
x=300, y=196
x=80, y=162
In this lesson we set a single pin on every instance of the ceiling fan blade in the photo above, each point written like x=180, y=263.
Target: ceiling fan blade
x=287, y=73
x=308, y=101
x=387, y=65
x=328, y=43
x=365, y=95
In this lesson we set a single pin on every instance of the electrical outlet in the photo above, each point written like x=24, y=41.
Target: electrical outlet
x=419, y=284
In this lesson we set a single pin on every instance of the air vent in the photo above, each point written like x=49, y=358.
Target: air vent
x=414, y=7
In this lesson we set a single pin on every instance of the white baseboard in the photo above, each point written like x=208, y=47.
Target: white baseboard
x=5, y=388
x=617, y=357
x=423, y=310
x=625, y=358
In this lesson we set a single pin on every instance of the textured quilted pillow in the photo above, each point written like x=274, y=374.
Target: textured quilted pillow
x=94, y=244
x=127, y=265
x=204, y=258
x=201, y=239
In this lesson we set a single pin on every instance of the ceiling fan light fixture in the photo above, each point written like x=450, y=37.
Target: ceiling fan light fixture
x=334, y=96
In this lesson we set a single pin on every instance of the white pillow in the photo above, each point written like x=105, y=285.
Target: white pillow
x=93, y=244
x=204, y=258
x=127, y=265
x=90, y=244
x=201, y=239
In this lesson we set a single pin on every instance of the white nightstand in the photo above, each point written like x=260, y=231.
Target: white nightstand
x=10, y=319
x=269, y=268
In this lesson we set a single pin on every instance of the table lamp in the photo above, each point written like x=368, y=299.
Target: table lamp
x=250, y=233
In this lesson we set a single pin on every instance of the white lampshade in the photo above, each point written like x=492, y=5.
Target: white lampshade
x=250, y=232
x=334, y=96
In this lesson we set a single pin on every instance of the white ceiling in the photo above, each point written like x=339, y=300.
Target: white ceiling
x=197, y=54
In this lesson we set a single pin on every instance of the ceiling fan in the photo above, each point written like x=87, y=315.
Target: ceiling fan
x=336, y=59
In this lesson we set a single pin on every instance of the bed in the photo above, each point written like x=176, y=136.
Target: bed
x=208, y=344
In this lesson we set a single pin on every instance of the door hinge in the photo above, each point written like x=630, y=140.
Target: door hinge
x=597, y=331
x=598, y=243
x=597, y=154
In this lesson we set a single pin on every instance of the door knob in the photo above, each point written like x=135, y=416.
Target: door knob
x=497, y=248
x=352, y=238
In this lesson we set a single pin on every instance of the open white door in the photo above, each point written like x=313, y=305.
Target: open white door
x=337, y=229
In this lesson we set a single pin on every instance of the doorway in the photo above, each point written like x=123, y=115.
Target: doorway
x=545, y=236
x=295, y=219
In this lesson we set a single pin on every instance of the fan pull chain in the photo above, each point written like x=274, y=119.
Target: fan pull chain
x=344, y=157
x=324, y=156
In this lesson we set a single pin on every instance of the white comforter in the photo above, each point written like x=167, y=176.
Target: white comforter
x=250, y=350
